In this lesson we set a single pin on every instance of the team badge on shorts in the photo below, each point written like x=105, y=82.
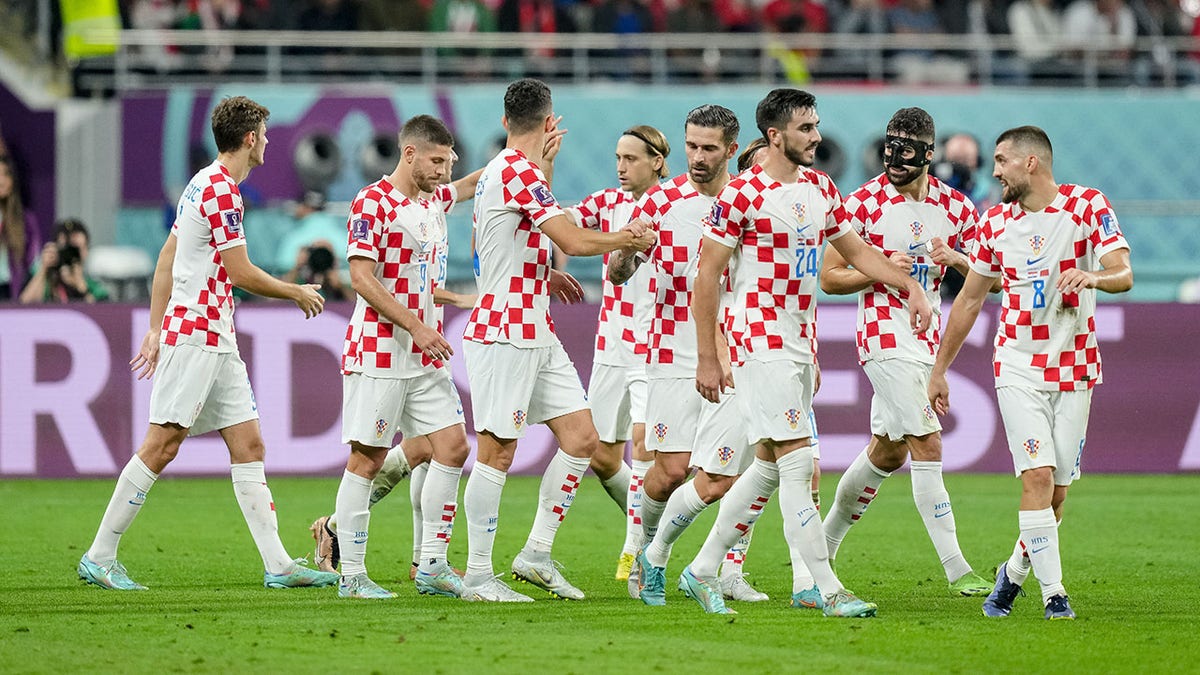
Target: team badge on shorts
x=928, y=412
x=518, y=418
x=660, y=432
x=724, y=455
x=917, y=228
x=381, y=426
x=1036, y=242
x=793, y=417
x=1031, y=447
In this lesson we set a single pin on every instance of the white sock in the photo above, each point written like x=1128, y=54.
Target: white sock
x=682, y=508
x=633, y=515
x=736, y=557
x=740, y=508
x=395, y=469
x=353, y=509
x=933, y=503
x=652, y=511
x=258, y=509
x=481, y=501
x=1018, y=564
x=855, y=491
x=133, y=484
x=1039, y=531
x=560, y=482
x=439, y=504
x=415, y=487
x=801, y=522
x=617, y=486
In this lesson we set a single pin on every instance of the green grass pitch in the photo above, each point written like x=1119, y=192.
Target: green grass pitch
x=1130, y=550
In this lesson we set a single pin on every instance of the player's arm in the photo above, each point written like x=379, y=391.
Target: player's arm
x=366, y=284
x=465, y=187
x=249, y=277
x=962, y=318
x=838, y=278
x=441, y=296
x=706, y=294
x=145, y=362
x=1116, y=277
x=871, y=262
x=577, y=241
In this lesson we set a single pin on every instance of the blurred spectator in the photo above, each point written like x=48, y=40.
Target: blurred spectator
x=156, y=15
x=699, y=62
x=693, y=16
x=919, y=65
x=1161, y=21
x=795, y=16
x=213, y=15
x=60, y=275
x=327, y=15
x=623, y=17
x=20, y=237
x=535, y=17
x=915, y=17
x=1108, y=25
x=961, y=165
x=393, y=15
x=737, y=16
x=318, y=264
x=313, y=224
x=859, y=17
x=1035, y=26
x=461, y=16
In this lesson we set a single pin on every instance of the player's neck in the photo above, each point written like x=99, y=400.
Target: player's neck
x=779, y=168
x=530, y=145
x=236, y=163
x=917, y=190
x=1042, y=194
x=404, y=184
x=713, y=187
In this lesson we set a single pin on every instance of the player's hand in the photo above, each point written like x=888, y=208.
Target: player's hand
x=145, y=362
x=710, y=381
x=431, y=343
x=1075, y=280
x=309, y=300
x=939, y=393
x=553, y=141
x=941, y=253
x=642, y=235
x=565, y=287
x=902, y=260
x=920, y=312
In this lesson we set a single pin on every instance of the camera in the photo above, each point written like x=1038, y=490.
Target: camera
x=320, y=259
x=68, y=255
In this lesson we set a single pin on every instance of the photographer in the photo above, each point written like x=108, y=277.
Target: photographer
x=59, y=276
x=317, y=264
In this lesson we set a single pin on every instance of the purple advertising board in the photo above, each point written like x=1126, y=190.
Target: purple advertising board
x=70, y=407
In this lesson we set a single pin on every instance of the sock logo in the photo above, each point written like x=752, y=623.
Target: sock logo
x=360, y=537
x=807, y=515
x=138, y=499
x=492, y=522
x=941, y=510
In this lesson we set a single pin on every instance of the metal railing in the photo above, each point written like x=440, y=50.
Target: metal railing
x=158, y=58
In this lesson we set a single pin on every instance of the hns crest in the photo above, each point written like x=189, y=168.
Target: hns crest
x=518, y=418
x=1031, y=447
x=381, y=426
x=793, y=417
x=1036, y=242
x=917, y=228
x=660, y=431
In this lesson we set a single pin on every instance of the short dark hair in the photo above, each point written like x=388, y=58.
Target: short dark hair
x=68, y=226
x=912, y=122
x=716, y=117
x=426, y=129
x=527, y=102
x=232, y=118
x=1030, y=138
x=778, y=106
x=746, y=158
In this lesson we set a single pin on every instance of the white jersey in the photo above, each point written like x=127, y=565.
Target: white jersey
x=401, y=235
x=207, y=222
x=1047, y=339
x=512, y=256
x=892, y=223
x=447, y=195
x=776, y=231
x=625, y=309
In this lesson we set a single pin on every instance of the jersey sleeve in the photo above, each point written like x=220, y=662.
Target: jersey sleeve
x=968, y=229
x=526, y=191
x=1104, y=232
x=221, y=208
x=728, y=217
x=365, y=228
x=588, y=213
x=984, y=260
x=837, y=222
x=445, y=196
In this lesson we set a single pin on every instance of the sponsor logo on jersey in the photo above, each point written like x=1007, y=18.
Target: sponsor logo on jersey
x=1031, y=447
x=660, y=432
x=518, y=418
x=381, y=426
x=542, y=194
x=724, y=455
x=793, y=417
x=917, y=228
x=1036, y=242
x=1109, y=224
x=233, y=221
x=916, y=245
x=360, y=229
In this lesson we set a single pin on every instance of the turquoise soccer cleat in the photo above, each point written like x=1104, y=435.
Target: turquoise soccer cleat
x=704, y=592
x=809, y=598
x=112, y=577
x=844, y=604
x=445, y=583
x=300, y=577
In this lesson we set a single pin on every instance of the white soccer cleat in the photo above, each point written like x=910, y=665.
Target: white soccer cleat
x=538, y=569
x=491, y=590
x=735, y=587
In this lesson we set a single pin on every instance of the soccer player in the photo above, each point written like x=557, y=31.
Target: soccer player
x=1052, y=246
x=617, y=388
x=774, y=218
x=202, y=384
x=519, y=372
x=393, y=359
x=922, y=225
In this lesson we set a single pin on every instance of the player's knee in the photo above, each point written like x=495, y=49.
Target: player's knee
x=607, y=459
x=712, y=487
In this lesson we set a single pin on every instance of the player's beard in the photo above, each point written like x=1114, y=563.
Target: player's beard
x=796, y=156
x=910, y=174
x=706, y=177
x=1013, y=192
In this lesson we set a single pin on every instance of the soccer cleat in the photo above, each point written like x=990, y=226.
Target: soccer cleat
x=1000, y=601
x=702, y=591
x=300, y=577
x=1057, y=608
x=735, y=587
x=970, y=585
x=361, y=586
x=624, y=564
x=653, y=589
x=445, y=583
x=809, y=598
x=844, y=604
x=538, y=569
x=326, y=555
x=491, y=590
x=112, y=577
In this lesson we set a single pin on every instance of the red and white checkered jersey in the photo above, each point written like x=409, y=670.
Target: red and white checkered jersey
x=624, y=309
x=512, y=256
x=776, y=231
x=1047, y=339
x=892, y=223
x=401, y=235
x=447, y=196
x=207, y=221
x=676, y=211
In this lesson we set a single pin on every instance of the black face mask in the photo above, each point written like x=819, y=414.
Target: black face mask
x=899, y=147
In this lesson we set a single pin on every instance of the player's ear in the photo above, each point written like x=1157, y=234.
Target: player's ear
x=504, y=122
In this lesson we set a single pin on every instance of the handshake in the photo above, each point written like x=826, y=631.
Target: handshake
x=642, y=236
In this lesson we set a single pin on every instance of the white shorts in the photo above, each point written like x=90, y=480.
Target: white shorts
x=1045, y=428
x=776, y=399
x=617, y=395
x=900, y=406
x=512, y=388
x=815, y=441
x=375, y=409
x=672, y=414
x=201, y=390
x=721, y=446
